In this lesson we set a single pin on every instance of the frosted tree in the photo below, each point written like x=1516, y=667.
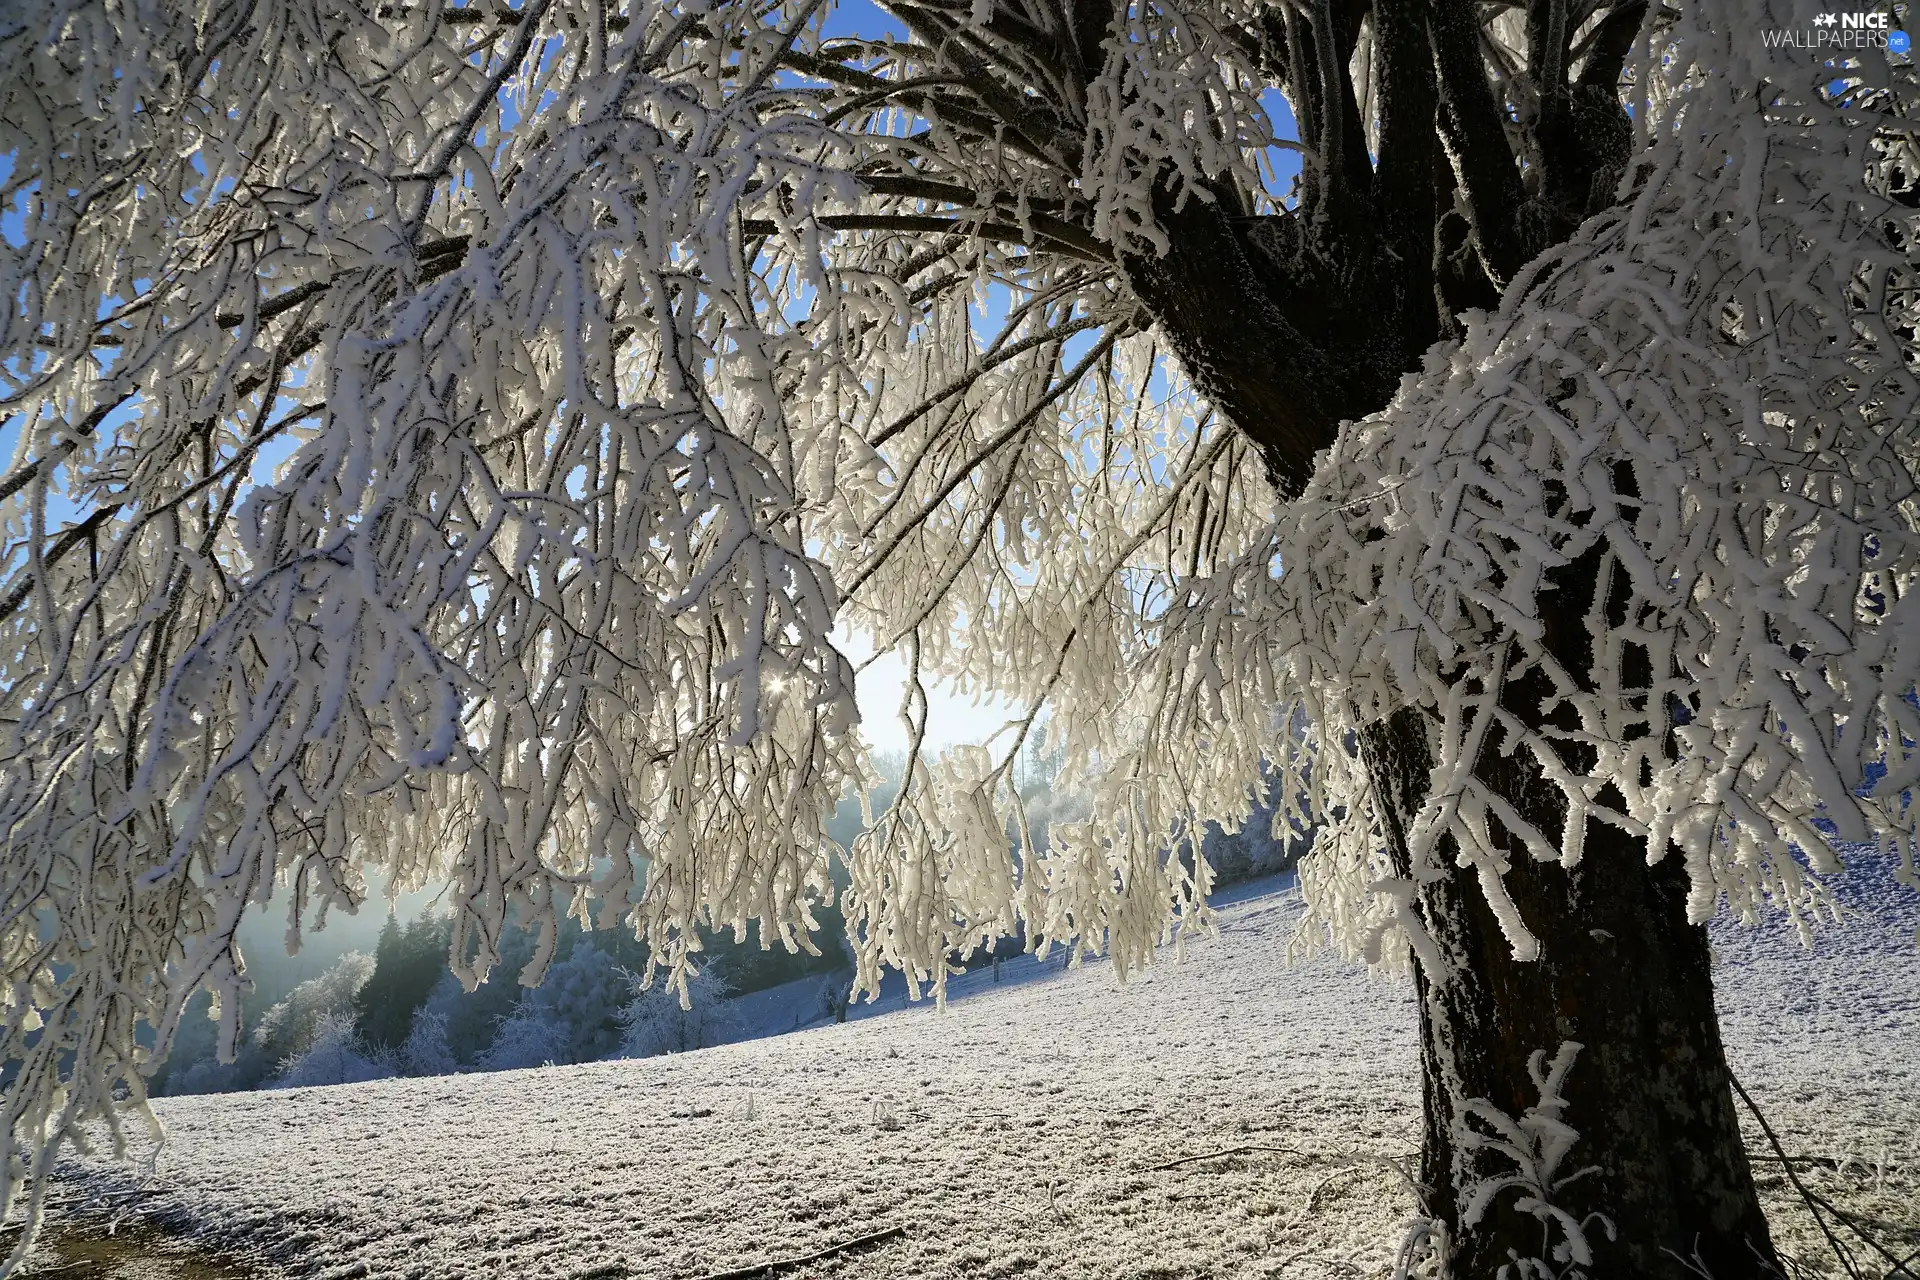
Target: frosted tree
x=447, y=438
x=653, y=1021
x=337, y=1055
x=295, y=1024
x=583, y=998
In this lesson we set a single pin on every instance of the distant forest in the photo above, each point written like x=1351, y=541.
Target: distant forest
x=340, y=1012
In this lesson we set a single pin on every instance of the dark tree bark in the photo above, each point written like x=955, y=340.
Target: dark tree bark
x=1623, y=974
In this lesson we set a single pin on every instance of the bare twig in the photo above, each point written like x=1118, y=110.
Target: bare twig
x=1313, y=1197
x=760, y=1269
x=1756, y=1157
x=1229, y=1151
x=1816, y=1202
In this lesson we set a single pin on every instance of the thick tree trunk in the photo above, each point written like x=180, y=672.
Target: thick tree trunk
x=1291, y=324
x=1623, y=975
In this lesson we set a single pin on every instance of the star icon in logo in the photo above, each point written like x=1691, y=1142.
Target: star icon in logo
x=1824, y=20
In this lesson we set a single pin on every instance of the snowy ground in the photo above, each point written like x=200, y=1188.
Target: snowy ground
x=1017, y=1134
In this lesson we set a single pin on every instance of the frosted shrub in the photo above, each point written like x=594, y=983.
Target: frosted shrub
x=573, y=1016
x=656, y=1021
x=472, y=1018
x=530, y=1036
x=585, y=994
x=334, y=1055
x=292, y=1026
x=425, y=1052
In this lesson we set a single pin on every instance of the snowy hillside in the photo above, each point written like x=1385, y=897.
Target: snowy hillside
x=1022, y=1133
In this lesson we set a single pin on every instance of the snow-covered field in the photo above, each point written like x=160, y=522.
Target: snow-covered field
x=1020, y=1133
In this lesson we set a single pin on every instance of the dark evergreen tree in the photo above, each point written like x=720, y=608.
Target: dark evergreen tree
x=407, y=963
